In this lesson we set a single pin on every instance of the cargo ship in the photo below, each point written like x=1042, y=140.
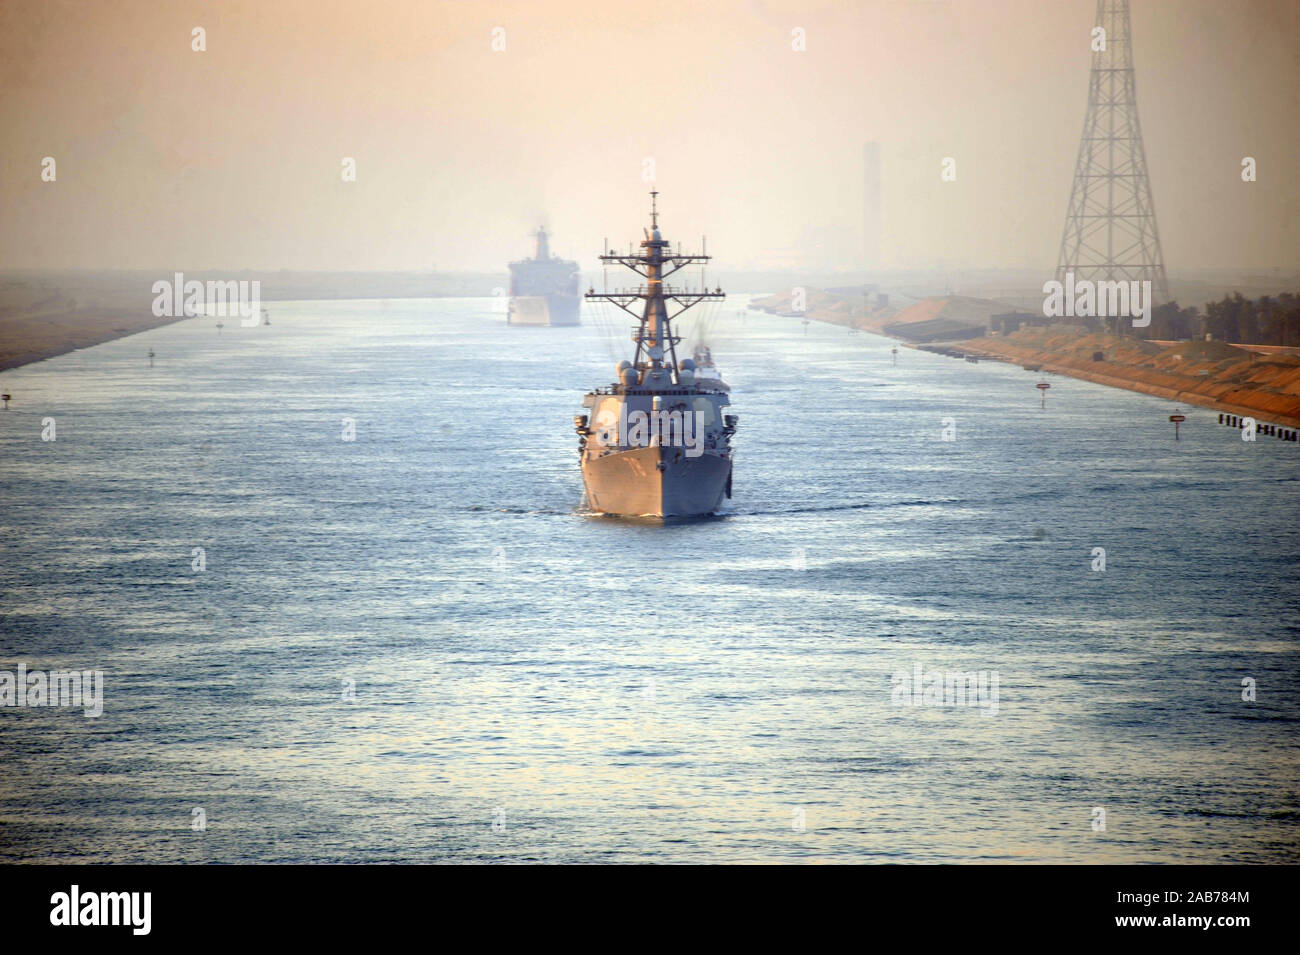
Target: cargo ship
x=544, y=290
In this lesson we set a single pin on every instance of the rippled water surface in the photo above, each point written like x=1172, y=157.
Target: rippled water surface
x=531, y=683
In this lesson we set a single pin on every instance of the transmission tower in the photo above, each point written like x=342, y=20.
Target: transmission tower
x=1110, y=228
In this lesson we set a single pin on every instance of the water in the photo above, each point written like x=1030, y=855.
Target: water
x=531, y=683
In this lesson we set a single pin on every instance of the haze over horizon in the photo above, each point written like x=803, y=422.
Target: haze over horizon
x=231, y=157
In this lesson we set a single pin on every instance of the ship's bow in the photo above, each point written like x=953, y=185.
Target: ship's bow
x=656, y=482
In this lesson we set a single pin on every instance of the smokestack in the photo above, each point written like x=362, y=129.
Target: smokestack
x=871, y=206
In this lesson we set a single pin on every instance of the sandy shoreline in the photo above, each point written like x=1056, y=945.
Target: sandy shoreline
x=1211, y=375
x=46, y=314
x=22, y=343
x=1261, y=383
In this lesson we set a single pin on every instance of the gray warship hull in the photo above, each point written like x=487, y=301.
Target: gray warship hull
x=656, y=482
x=542, y=310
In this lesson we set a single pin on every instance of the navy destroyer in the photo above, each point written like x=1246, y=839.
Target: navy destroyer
x=657, y=444
x=544, y=290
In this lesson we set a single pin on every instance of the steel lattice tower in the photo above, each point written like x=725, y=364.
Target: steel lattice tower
x=1110, y=228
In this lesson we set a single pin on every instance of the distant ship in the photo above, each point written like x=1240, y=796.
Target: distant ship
x=544, y=290
x=658, y=444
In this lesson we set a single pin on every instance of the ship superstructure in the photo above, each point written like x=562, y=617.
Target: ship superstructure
x=544, y=290
x=657, y=443
x=706, y=372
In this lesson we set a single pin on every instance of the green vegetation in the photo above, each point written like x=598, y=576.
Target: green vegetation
x=1262, y=321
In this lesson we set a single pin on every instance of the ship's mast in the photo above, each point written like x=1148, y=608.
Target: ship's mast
x=654, y=336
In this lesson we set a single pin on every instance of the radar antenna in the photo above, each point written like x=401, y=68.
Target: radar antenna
x=654, y=336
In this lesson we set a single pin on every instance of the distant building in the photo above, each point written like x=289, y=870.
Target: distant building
x=871, y=206
x=1008, y=322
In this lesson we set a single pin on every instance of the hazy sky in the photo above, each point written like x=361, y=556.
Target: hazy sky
x=231, y=158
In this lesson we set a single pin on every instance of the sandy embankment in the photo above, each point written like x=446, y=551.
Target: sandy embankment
x=41, y=317
x=821, y=306
x=1210, y=374
x=1263, y=384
